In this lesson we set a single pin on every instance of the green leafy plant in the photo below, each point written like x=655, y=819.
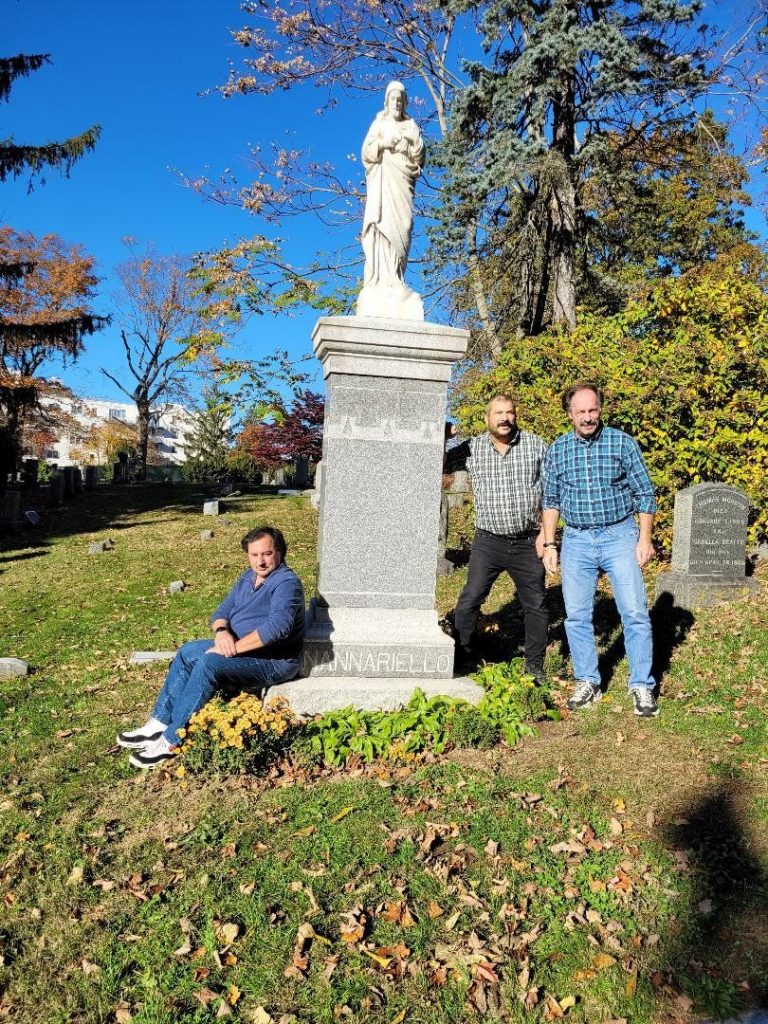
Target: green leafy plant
x=469, y=727
x=513, y=698
x=397, y=735
x=717, y=997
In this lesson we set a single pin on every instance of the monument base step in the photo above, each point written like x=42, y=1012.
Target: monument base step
x=692, y=592
x=315, y=695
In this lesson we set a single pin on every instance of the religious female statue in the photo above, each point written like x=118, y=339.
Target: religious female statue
x=393, y=156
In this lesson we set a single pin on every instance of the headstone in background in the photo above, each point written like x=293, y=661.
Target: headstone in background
x=69, y=481
x=278, y=478
x=206, y=535
x=176, y=587
x=10, y=510
x=444, y=565
x=77, y=479
x=32, y=517
x=98, y=547
x=91, y=477
x=317, y=495
x=452, y=497
x=211, y=508
x=459, y=489
x=57, y=490
x=120, y=469
x=146, y=657
x=301, y=473
x=11, y=667
x=29, y=472
x=709, y=546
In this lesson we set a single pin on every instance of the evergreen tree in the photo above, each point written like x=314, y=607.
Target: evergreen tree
x=30, y=270
x=563, y=79
x=209, y=442
x=15, y=159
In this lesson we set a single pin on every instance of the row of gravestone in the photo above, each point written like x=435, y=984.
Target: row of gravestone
x=65, y=484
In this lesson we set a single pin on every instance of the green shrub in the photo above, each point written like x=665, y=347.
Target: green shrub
x=513, y=698
x=685, y=371
x=397, y=735
x=469, y=727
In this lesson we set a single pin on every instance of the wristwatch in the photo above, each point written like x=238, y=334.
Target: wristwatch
x=549, y=544
x=221, y=629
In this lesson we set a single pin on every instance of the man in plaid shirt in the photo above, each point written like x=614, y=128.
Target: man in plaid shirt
x=596, y=480
x=504, y=467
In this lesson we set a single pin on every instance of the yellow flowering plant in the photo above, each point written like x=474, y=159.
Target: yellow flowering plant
x=238, y=735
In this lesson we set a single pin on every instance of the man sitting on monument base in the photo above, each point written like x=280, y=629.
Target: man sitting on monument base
x=258, y=635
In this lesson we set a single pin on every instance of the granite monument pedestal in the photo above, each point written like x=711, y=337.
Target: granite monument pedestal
x=373, y=618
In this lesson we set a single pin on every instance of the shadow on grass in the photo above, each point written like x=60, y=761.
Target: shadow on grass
x=22, y=557
x=720, y=935
x=112, y=508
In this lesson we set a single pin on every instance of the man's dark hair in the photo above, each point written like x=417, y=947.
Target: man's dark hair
x=586, y=385
x=266, y=531
x=502, y=396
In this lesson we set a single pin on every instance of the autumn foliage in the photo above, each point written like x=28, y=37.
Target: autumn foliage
x=685, y=371
x=297, y=432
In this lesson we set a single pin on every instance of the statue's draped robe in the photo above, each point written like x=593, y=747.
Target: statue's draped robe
x=390, y=177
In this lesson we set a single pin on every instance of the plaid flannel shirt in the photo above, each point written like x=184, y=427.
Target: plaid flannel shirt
x=596, y=481
x=507, y=488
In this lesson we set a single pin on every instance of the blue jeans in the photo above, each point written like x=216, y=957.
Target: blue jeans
x=194, y=676
x=584, y=553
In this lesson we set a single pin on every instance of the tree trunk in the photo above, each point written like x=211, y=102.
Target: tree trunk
x=562, y=206
x=478, y=293
x=563, y=218
x=143, y=427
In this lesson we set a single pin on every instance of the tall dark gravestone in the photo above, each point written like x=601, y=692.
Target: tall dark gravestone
x=709, y=545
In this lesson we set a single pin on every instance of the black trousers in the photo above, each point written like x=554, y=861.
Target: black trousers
x=491, y=556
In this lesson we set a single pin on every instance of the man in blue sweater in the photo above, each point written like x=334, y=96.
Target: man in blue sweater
x=596, y=480
x=258, y=635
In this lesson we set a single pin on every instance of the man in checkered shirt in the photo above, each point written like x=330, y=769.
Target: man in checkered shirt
x=504, y=467
x=596, y=480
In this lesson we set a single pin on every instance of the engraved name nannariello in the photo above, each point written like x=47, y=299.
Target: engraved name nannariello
x=419, y=664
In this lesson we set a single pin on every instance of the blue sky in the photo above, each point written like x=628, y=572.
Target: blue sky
x=139, y=70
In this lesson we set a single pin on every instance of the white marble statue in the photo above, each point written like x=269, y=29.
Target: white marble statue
x=393, y=156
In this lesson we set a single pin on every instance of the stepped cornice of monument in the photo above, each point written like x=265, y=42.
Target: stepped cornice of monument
x=377, y=346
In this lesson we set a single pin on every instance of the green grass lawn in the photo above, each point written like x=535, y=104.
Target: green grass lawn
x=608, y=869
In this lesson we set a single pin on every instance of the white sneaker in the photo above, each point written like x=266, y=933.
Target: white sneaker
x=584, y=693
x=153, y=754
x=152, y=730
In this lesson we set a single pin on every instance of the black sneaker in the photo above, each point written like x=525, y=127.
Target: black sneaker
x=145, y=734
x=464, y=660
x=153, y=755
x=644, y=701
x=537, y=672
x=584, y=693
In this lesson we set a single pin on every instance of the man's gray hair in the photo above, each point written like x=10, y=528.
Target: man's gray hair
x=586, y=385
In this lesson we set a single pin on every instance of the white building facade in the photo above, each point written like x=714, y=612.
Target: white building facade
x=169, y=427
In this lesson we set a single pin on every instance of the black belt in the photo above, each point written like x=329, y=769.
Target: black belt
x=525, y=535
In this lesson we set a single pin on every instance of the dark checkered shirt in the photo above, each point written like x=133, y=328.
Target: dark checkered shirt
x=507, y=488
x=597, y=481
